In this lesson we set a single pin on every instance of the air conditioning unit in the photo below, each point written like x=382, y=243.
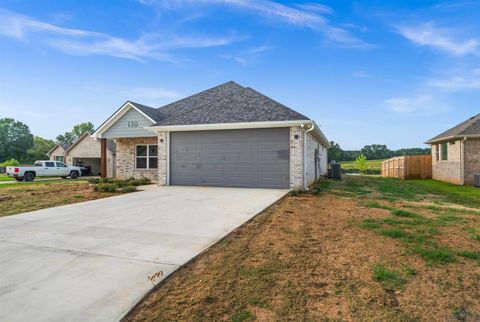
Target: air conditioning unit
x=477, y=180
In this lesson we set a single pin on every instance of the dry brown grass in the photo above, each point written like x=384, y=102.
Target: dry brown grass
x=308, y=258
x=18, y=198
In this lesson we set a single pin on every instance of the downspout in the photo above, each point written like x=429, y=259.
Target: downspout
x=305, y=154
x=462, y=160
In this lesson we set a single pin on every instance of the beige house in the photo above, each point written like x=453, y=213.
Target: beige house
x=456, y=153
x=86, y=152
x=228, y=135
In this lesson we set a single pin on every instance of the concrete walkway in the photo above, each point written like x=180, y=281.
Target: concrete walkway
x=91, y=261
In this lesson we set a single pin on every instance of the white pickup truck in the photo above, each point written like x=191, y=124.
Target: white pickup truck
x=44, y=169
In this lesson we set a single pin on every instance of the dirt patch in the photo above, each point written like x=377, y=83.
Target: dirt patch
x=307, y=258
x=22, y=198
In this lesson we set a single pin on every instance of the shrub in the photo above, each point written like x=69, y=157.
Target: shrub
x=94, y=180
x=10, y=163
x=128, y=189
x=105, y=187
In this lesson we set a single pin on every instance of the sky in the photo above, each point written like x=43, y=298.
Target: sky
x=368, y=72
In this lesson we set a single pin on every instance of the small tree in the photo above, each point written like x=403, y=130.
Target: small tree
x=361, y=163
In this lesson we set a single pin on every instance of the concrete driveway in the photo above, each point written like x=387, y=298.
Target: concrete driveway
x=91, y=261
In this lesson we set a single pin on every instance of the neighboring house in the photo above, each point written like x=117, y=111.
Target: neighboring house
x=57, y=153
x=228, y=135
x=86, y=152
x=456, y=153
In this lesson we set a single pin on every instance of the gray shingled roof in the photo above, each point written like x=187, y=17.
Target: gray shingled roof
x=469, y=127
x=226, y=103
x=64, y=145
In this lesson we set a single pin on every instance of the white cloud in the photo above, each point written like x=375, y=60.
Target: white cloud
x=247, y=56
x=84, y=42
x=316, y=7
x=457, y=80
x=457, y=83
x=305, y=16
x=428, y=34
x=426, y=104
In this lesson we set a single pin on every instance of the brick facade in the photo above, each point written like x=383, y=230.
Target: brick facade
x=163, y=163
x=318, y=168
x=472, y=160
x=447, y=170
x=125, y=159
x=296, y=158
x=450, y=170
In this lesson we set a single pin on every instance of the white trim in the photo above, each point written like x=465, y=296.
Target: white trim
x=147, y=157
x=240, y=125
x=453, y=137
x=224, y=126
x=116, y=116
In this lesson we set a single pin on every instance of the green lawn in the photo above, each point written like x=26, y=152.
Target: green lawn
x=392, y=189
x=372, y=164
x=4, y=177
x=25, y=185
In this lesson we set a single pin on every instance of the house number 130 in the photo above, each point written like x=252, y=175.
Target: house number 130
x=132, y=123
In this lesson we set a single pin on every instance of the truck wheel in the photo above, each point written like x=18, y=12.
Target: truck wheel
x=19, y=178
x=74, y=174
x=29, y=176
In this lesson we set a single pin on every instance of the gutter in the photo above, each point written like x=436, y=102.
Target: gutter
x=312, y=126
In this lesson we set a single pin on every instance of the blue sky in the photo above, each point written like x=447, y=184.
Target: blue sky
x=366, y=72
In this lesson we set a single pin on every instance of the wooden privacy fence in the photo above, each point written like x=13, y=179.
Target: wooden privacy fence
x=408, y=167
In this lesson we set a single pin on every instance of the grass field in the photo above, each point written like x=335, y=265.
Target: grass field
x=362, y=249
x=4, y=177
x=372, y=164
x=22, y=197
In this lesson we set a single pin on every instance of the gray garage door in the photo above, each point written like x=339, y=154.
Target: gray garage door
x=231, y=158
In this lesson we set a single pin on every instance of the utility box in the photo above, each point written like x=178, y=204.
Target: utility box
x=335, y=171
x=476, y=181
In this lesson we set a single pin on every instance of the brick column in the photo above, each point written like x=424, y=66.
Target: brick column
x=163, y=157
x=103, y=158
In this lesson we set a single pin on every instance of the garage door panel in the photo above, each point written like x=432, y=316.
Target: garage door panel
x=234, y=158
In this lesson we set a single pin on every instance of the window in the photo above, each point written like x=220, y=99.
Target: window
x=445, y=151
x=437, y=152
x=50, y=164
x=59, y=158
x=38, y=164
x=61, y=165
x=146, y=156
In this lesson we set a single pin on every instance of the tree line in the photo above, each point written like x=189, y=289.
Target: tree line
x=371, y=152
x=19, y=145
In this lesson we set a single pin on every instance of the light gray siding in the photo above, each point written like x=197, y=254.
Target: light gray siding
x=121, y=128
x=233, y=158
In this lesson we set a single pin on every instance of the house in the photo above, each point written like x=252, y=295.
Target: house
x=57, y=153
x=456, y=153
x=86, y=151
x=228, y=135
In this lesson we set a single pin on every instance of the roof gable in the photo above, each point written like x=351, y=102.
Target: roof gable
x=466, y=128
x=244, y=105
